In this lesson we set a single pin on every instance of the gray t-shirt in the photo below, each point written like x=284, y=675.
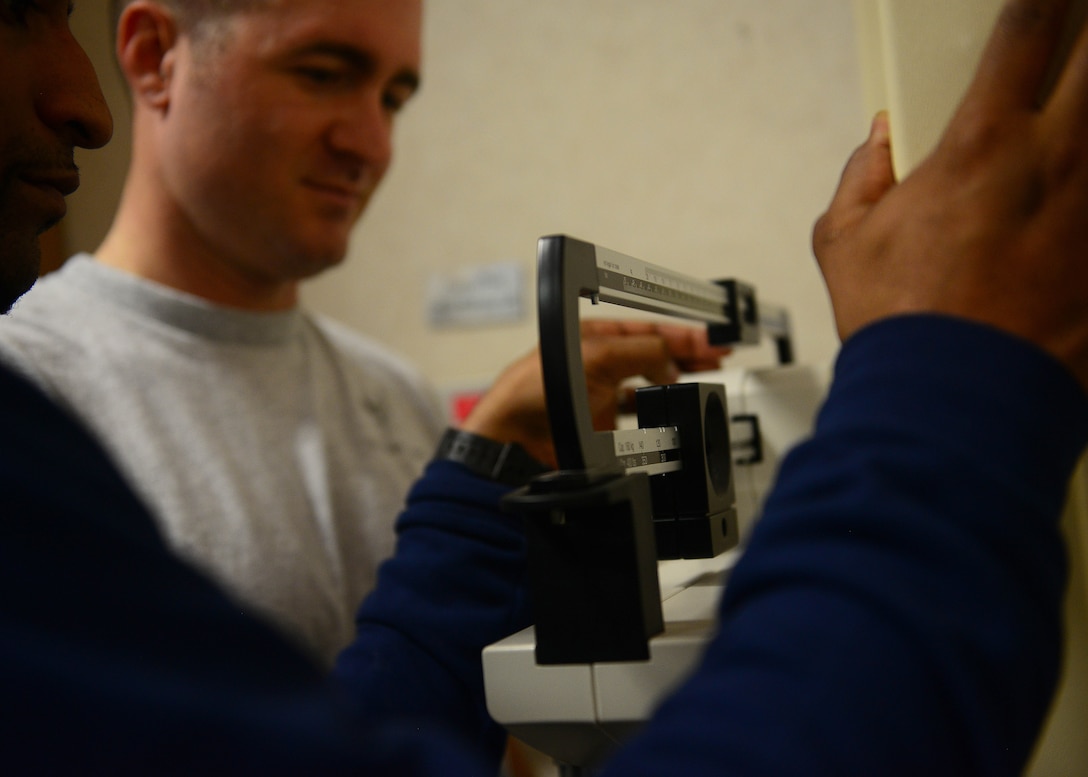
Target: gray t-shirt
x=275, y=448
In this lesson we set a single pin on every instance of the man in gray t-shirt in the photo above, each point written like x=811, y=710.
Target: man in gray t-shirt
x=274, y=447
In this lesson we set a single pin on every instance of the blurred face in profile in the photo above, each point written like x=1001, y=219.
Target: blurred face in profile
x=50, y=102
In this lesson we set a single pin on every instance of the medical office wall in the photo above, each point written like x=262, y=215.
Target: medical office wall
x=704, y=135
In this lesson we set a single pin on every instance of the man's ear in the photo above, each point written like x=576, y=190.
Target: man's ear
x=147, y=36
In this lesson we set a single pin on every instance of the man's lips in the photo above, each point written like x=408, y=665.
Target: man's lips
x=343, y=192
x=46, y=190
x=63, y=181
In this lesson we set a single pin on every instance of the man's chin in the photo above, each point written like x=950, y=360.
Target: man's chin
x=324, y=257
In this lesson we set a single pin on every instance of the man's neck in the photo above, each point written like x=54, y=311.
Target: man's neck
x=143, y=242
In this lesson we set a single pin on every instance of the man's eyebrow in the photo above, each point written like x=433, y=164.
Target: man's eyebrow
x=360, y=60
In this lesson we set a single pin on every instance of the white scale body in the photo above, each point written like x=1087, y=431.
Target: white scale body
x=577, y=713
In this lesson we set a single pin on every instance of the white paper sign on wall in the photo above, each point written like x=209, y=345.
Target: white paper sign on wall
x=471, y=296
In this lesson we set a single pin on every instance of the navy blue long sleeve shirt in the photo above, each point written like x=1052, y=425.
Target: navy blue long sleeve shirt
x=897, y=610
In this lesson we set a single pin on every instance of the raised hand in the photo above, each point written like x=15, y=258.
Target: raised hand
x=993, y=225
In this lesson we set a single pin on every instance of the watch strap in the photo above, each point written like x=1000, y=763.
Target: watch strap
x=507, y=463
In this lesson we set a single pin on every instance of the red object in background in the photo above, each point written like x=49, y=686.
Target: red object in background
x=461, y=404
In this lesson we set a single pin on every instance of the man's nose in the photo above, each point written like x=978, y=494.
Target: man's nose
x=365, y=130
x=69, y=98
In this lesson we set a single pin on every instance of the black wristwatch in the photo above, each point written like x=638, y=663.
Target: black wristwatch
x=507, y=463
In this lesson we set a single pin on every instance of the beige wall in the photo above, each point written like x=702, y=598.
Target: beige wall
x=700, y=134
x=91, y=208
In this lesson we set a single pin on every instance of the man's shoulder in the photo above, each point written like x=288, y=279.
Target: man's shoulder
x=46, y=444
